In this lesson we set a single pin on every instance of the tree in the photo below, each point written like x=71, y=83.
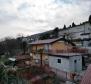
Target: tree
x=11, y=46
x=56, y=32
x=44, y=36
x=24, y=46
x=2, y=48
x=69, y=26
x=2, y=74
x=89, y=19
x=64, y=27
x=73, y=24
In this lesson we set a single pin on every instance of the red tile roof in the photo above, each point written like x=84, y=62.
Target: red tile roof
x=87, y=77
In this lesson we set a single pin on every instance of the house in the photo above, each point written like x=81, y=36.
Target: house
x=68, y=62
x=61, y=56
x=81, y=31
x=39, y=49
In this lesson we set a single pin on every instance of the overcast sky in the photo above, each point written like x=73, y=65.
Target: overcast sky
x=32, y=16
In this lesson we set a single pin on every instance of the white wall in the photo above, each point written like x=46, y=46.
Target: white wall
x=67, y=64
x=85, y=28
x=78, y=66
x=64, y=65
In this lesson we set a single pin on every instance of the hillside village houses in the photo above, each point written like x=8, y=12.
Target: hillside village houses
x=79, y=34
x=61, y=55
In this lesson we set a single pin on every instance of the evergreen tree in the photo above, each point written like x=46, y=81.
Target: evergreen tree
x=73, y=24
x=90, y=19
x=45, y=36
x=56, y=32
x=24, y=46
x=64, y=27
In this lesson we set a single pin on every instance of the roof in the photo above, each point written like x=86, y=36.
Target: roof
x=44, y=41
x=48, y=41
x=65, y=55
x=87, y=77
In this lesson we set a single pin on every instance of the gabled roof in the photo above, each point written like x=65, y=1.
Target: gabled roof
x=48, y=41
x=87, y=77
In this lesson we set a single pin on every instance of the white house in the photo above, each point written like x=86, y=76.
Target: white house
x=81, y=31
x=68, y=62
x=66, y=65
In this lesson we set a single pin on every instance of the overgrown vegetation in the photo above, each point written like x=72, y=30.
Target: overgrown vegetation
x=12, y=46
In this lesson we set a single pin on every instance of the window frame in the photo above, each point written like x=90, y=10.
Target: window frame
x=59, y=61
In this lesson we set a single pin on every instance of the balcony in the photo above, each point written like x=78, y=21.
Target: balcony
x=73, y=50
x=80, y=50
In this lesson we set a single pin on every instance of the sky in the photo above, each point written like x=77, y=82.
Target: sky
x=27, y=17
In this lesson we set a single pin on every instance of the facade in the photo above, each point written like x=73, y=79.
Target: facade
x=70, y=62
x=67, y=64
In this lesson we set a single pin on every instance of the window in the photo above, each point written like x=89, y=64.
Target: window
x=59, y=60
x=75, y=61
